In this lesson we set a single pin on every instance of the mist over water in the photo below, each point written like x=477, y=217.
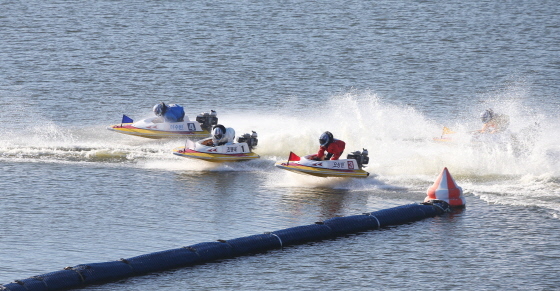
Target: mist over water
x=399, y=138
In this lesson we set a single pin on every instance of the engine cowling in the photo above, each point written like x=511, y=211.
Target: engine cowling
x=207, y=120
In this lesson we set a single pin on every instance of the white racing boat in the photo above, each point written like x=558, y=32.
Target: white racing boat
x=476, y=138
x=157, y=127
x=240, y=151
x=519, y=143
x=349, y=167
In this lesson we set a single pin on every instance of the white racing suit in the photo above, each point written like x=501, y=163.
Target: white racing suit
x=228, y=137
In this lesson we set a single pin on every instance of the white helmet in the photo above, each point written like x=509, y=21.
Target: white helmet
x=218, y=132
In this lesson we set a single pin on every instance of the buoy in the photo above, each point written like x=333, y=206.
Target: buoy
x=445, y=189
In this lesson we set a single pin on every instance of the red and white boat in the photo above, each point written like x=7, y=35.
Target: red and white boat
x=349, y=167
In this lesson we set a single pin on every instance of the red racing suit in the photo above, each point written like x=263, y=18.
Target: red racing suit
x=335, y=149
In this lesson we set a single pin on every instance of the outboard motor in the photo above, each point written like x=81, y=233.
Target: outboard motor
x=360, y=157
x=207, y=120
x=250, y=139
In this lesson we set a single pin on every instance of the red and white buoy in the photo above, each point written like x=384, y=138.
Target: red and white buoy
x=445, y=189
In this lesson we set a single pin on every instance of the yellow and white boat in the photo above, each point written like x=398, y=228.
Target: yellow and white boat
x=350, y=167
x=157, y=127
x=240, y=151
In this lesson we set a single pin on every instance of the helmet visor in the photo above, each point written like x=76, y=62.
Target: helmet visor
x=486, y=116
x=325, y=139
x=158, y=110
x=218, y=134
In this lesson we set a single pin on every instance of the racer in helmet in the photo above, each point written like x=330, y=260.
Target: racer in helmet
x=220, y=136
x=493, y=123
x=159, y=109
x=171, y=112
x=332, y=146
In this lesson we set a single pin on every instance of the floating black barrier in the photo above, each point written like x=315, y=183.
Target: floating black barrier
x=302, y=234
x=163, y=260
x=352, y=224
x=97, y=273
x=60, y=280
x=254, y=244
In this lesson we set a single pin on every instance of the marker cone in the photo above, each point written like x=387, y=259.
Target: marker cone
x=445, y=189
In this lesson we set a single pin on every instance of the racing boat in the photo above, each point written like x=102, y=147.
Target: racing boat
x=476, y=137
x=240, y=151
x=157, y=127
x=519, y=143
x=446, y=135
x=349, y=167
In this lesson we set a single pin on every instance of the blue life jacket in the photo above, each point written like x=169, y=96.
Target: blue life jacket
x=174, y=113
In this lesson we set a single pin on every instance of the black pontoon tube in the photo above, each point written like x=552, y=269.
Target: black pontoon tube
x=96, y=273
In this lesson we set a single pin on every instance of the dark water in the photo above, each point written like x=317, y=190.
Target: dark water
x=383, y=75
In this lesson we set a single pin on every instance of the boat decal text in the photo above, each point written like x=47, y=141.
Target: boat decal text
x=338, y=165
x=176, y=126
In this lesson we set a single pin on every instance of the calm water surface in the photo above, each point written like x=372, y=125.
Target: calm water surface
x=385, y=75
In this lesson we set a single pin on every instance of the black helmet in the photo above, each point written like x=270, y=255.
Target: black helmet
x=159, y=109
x=487, y=115
x=326, y=138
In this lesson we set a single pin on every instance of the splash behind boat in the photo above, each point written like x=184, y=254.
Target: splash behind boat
x=446, y=135
x=240, y=151
x=157, y=127
x=476, y=137
x=349, y=167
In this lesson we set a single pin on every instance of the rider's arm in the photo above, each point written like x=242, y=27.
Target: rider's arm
x=321, y=153
x=485, y=127
x=489, y=127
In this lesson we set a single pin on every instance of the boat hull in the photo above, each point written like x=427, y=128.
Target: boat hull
x=442, y=139
x=318, y=171
x=130, y=129
x=214, y=157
